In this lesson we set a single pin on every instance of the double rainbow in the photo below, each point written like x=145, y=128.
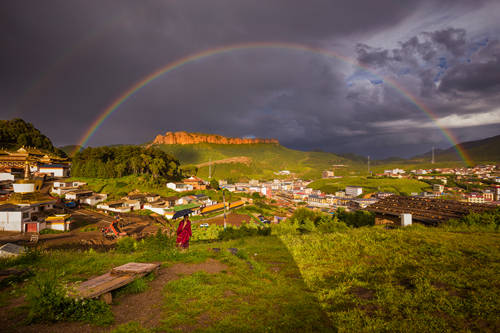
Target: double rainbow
x=261, y=45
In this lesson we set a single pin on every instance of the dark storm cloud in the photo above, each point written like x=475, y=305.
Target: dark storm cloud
x=64, y=62
x=478, y=77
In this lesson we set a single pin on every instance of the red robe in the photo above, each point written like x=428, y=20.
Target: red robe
x=183, y=233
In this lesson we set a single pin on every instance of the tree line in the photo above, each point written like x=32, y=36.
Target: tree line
x=16, y=133
x=112, y=162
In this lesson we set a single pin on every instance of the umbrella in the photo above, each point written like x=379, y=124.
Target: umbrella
x=181, y=213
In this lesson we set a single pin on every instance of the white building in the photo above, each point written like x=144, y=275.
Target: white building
x=78, y=194
x=353, y=191
x=14, y=218
x=158, y=208
x=438, y=188
x=6, y=176
x=180, y=187
x=116, y=206
x=56, y=170
x=94, y=199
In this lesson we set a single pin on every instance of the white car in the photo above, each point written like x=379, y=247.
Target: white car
x=204, y=225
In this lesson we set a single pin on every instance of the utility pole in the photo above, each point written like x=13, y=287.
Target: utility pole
x=224, y=201
x=432, y=161
x=210, y=168
x=368, y=164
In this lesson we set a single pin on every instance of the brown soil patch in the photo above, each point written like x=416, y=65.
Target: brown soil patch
x=362, y=293
x=231, y=219
x=132, y=307
x=451, y=290
x=238, y=159
x=202, y=321
x=145, y=308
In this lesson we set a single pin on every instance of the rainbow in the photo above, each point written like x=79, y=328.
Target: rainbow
x=261, y=45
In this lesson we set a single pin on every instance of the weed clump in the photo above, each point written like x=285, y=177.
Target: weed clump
x=48, y=302
x=126, y=245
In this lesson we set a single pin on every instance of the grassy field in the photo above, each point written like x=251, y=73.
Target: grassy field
x=413, y=280
x=265, y=160
x=416, y=279
x=399, y=186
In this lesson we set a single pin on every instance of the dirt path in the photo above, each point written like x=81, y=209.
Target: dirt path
x=238, y=159
x=145, y=308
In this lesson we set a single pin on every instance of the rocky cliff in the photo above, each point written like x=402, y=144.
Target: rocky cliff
x=184, y=138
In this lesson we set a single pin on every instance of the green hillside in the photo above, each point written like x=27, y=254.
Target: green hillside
x=478, y=151
x=259, y=160
x=400, y=186
x=17, y=133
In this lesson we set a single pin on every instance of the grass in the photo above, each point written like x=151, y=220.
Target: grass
x=359, y=279
x=416, y=279
x=399, y=186
x=265, y=160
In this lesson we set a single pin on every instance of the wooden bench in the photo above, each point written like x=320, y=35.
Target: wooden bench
x=101, y=286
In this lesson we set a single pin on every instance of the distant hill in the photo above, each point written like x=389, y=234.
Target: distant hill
x=70, y=149
x=485, y=150
x=260, y=160
x=16, y=133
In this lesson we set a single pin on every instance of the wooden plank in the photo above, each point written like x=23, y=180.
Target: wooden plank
x=133, y=268
x=103, y=284
x=116, y=278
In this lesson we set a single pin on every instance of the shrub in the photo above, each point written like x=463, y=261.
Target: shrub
x=331, y=225
x=356, y=219
x=48, y=302
x=126, y=245
x=488, y=220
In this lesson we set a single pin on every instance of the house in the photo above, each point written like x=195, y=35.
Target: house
x=61, y=188
x=382, y=195
x=160, y=208
x=55, y=170
x=204, y=199
x=6, y=175
x=170, y=201
x=195, y=182
x=317, y=200
x=94, y=199
x=327, y=174
x=61, y=222
x=60, y=184
x=488, y=195
x=353, y=191
x=438, y=188
x=180, y=187
x=474, y=197
x=121, y=206
x=14, y=217
x=78, y=194
x=185, y=200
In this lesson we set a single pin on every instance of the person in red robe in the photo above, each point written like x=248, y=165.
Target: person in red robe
x=184, y=233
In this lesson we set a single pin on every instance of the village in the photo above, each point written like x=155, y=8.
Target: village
x=37, y=195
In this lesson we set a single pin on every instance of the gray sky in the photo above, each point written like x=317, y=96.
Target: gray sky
x=63, y=62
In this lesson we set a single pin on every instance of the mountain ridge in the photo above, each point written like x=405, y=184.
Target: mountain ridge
x=184, y=138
